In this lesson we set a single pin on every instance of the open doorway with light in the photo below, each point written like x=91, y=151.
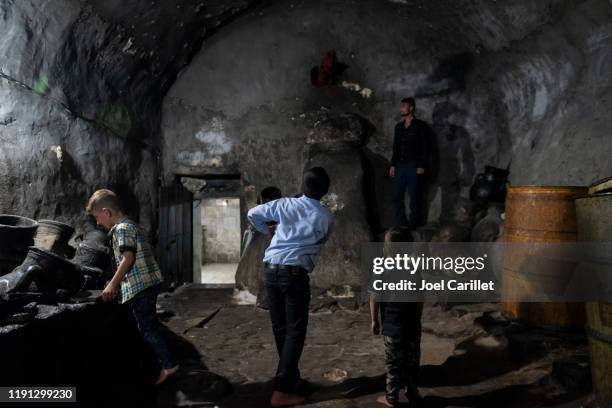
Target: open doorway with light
x=218, y=219
x=220, y=246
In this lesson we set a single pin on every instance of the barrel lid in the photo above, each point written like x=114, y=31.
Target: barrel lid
x=537, y=187
x=602, y=185
x=595, y=195
x=567, y=191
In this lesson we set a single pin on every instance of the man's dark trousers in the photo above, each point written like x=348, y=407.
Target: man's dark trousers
x=288, y=300
x=406, y=177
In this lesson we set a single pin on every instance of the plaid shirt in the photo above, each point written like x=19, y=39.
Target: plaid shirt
x=145, y=272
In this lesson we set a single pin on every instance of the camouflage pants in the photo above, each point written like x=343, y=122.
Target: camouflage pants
x=402, y=359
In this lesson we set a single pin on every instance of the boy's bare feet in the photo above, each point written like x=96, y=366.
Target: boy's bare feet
x=382, y=399
x=166, y=373
x=283, y=399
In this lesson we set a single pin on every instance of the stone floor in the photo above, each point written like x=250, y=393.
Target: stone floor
x=471, y=356
x=221, y=275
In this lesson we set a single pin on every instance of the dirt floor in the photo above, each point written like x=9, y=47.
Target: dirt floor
x=471, y=356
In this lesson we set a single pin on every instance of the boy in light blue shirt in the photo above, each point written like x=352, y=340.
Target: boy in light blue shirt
x=302, y=226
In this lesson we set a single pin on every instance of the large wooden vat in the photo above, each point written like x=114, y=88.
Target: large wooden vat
x=539, y=214
x=594, y=214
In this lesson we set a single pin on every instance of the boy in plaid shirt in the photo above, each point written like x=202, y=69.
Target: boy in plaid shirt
x=136, y=281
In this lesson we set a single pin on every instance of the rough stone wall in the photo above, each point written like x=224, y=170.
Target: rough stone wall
x=554, y=99
x=498, y=82
x=81, y=85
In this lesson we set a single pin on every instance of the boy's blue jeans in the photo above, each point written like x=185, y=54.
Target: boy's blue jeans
x=288, y=300
x=143, y=309
x=406, y=177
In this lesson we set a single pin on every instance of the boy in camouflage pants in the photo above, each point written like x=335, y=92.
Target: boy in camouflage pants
x=401, y=330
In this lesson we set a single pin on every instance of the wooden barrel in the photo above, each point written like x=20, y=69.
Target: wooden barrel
x=539, y=214
x=594, y=214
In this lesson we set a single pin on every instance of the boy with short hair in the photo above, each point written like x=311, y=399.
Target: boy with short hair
x=137, y=279
x=401, y=330
x=302, y=226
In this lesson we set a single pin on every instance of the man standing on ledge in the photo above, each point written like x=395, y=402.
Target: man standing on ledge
x=410, y=152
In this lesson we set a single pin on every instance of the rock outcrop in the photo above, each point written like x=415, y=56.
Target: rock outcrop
x=336, y=145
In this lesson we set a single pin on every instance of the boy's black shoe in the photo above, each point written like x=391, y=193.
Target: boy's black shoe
x=388, y=400
x=393, y=400
x=414, y=396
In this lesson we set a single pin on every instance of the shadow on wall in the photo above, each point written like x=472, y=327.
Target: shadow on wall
x=378, y=191
x=452, y=167
x=449, y=76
